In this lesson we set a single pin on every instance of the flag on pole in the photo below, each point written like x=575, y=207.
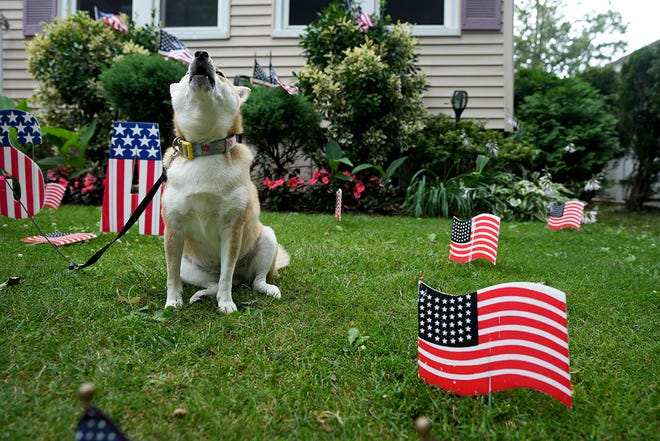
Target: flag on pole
x=133, y=143
x=274, y=79
x=94, y=425
x=475, y=238
x=172, y=47
x=18, y=167
x=113, y=20
x=364, y=21
x=338, y=206
x=53, y=195
x=259, y=75
x=512, y=335
x=565, y=215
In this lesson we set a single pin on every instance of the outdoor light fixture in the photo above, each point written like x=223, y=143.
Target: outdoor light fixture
x=459, y=103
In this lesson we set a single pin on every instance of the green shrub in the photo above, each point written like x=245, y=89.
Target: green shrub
x=67, y=60
x=640, y=121
x=576, y=135
x=138, y=87
x=366, y=84
x=449, y=150
x=280, y=126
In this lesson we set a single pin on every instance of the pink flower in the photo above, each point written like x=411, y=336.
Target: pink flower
x=273, y=184
x=358, y=189
x=323, y=175
x=295, y=181
x=376, y=181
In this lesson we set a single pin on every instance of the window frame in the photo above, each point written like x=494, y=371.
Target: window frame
x=452, y=26
x=142, y=15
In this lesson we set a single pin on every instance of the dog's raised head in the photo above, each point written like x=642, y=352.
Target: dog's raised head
x=206, y=104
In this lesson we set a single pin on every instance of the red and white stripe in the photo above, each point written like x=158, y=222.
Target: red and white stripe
x=53, y=195
x=31, y=181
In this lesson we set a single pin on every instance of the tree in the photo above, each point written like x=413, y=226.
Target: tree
x=544, y=39
x=640, y=121
x=571, y=126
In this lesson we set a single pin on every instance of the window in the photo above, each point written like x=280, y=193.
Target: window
x=439, y=17
x=201, y=19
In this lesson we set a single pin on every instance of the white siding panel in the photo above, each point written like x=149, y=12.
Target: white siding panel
x=474, y=61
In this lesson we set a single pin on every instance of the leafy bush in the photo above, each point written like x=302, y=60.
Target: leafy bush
x=500, y=193
x=449, y=150
x=67, y=60
x=138, y=87
x=640, y=121
x=280, y=126
x=570, y=125
x=366, y=84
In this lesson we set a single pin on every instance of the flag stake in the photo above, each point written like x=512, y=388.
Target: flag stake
x=86, y=393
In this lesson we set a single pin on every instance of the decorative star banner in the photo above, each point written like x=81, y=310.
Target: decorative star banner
x=566, y=215
x=133, y=145
x=95, y=425
x=475, y=238
x=512, y=335
x=19, y=168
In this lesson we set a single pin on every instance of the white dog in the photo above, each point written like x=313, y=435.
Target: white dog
x=213, y=236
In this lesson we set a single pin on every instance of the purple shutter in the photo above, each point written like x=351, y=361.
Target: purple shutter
x=35, y=12
x=481, y=14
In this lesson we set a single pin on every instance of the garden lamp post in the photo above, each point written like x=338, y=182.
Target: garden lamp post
x=459, y=102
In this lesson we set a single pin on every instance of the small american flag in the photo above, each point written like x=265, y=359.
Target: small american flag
x=475, y=238
x=172, y=47
x=274, y=79
x=59, y=238
x=19, y=166
x=133, y=143
x=364, y=21
x=512, y=335
x=94, y=425
x=259, y=76
x=113, y=20
x=566, y=215
x=53, y=195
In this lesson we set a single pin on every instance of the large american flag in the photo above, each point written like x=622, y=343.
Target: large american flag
x=19, y=167
x=512, y=335
x=133, y=144
x=172, y=47
x=475, y=238
x=566, y=215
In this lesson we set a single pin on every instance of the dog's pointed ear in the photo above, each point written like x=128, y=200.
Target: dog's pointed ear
x=243, y=93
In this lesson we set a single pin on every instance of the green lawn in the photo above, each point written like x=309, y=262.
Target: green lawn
x=285, y=369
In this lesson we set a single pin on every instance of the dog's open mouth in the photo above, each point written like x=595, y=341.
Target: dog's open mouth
x=202, y=73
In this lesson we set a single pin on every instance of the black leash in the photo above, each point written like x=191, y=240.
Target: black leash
x=131, y=221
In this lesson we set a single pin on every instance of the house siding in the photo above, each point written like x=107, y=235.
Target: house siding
x=479, y=62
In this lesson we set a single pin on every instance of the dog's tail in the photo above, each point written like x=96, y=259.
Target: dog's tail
x=282, y=260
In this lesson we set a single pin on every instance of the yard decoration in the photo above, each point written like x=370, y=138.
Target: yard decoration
x=93, y=424
x=475, y=238
x=133, y=145
x=59, y=238
x=338, y=204
x=512, y=335
x=19, y=167
x=566, y=215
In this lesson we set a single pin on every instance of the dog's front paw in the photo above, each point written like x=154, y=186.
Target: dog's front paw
x=175, y=303
x=227, y=307
x=174, y=297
